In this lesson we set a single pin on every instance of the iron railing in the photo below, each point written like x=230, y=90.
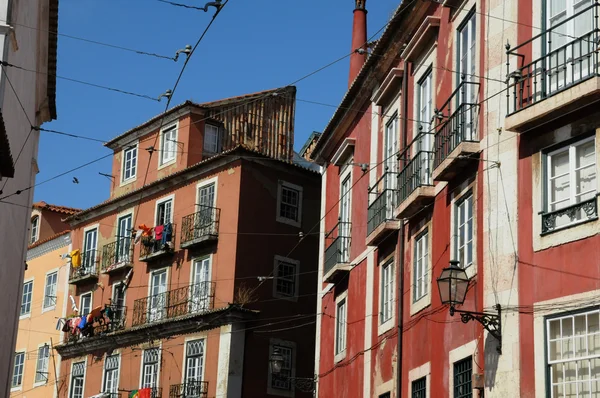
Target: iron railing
x=338, y=251
x=111, y=318
x=415, y=172
x=189, y=389
x=196, y=298
x=460, y=126
x=88, y=266
x=386, y=197
x=566, y=60
x=117, y=253
x=204, y=222
x=570, y=215
x=151, y=246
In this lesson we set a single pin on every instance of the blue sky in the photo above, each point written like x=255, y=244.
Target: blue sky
x=252, y=46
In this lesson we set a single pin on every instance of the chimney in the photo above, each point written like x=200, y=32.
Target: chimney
x=359, y=39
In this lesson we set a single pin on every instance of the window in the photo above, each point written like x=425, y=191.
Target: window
x=466, y=67
x=85, y=303
x=390, y=160
x=50, y=290
x=26, y=299
x=129, y=163
x=386, y=395
x=571, y=180
x=90, y=241
x=386, y=291
x=158, y=297
x=194, y=362
x=111, y=374
x=419, y=388
x=286, y=279
x=77, y=379
x=41, y=370
x=35, y=228
x=340, y=326
x=118, y=302
x=164, y=211
x=424, y=103
x=344, y=229
x=201, y=286
x=212, y=141
x=463, y=370
x=289, y=203
x=463, y=244
x=17, y=378
x=421, y=267
x=168, y=145
x=150, y=368
x=573, y=361
x=282, y=381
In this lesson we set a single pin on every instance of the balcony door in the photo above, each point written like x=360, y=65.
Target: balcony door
x=90, y=242
x=206, y=204
x=344, y=227
x=158, y=296
x=424, y=139
x=200, y=290
x=570, y=43
x=466, y=66
x=390, y=151
x=124, y=238
x=118, y=303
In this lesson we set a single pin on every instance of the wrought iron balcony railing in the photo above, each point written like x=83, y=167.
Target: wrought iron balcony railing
x=415, y=172
x=200, y=226
x=189, y=389
x=462, y=110
x=110, y=319
x=570, y=215
x=338, y=251
x=151, y=247
x=88, y=267
x=117, y=254
x=196, y=298
x=382, y=208
x=566, y=60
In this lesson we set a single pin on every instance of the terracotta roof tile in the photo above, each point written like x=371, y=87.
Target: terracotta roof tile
x=55, y=208
x=48, y=239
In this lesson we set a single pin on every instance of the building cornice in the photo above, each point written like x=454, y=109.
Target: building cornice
x=54, y=243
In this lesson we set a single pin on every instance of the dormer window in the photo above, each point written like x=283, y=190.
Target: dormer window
x=212, y=141
x=35, y=228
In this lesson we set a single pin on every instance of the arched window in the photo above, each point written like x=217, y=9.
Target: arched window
x=35, y=229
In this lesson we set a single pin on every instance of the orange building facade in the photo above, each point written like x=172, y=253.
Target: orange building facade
x=198, y=267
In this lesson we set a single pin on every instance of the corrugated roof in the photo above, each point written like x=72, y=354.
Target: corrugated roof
x=204, y=105
x=52, y=56
x=55, y=208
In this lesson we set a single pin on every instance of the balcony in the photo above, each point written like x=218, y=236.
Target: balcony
x=190, y=389
x=193, y=299
x=569, y=216
x=337, y=254
x=87, y=271
x=380, y=215
x=415, y=183
x=152, y=248
x=563, y=79
x=456, y=143
x=110, y=319
x=117, y=255
x=200, y=227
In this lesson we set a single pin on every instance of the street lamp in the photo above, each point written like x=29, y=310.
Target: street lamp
x=304, y=384
x=452, y=285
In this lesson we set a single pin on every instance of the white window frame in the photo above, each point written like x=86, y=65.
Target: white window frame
x=53, y=306
x=288, y=185
x=424, y=301
x=28, y=313
x=159, y=348
x=423, y=371
x=35, y=229
x=204, y=183
x=71, y=377
x=387, y=268
x=296, y=282
x=163, y=160
x=219, y=139
x=459, y=353
x=341, y=354
x=421, y=266
x=18, y=387
x=118, y=355
x=81, y=296
x=161, y=201
x=184, y=368
x=463, y=200
x=133, y=176
x=82, y=251
x=277, y=391
x=37, y=366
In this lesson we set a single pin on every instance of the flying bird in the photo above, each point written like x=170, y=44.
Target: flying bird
x=75, y=180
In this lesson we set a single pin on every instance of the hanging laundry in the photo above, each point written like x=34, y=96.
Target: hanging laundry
x=60, y=324
x=82, y=322
x=167, y=233
x=65, y=256
x=146, y=231
x=138, y=236
x=75, y=258
x=158, y=232
x=73, y=306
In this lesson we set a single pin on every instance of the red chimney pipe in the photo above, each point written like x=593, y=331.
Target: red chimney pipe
x=359, y=40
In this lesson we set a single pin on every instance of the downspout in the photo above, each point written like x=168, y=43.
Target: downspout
x=400, y=274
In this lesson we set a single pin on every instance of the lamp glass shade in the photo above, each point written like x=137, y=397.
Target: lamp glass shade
x=452, y=284
x=276, y=362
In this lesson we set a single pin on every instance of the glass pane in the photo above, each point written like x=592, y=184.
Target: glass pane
x=593, y=320
x=554, y=353
x=583, y=370
x=580, y=347
x=554, y=329
x=567, y=327
x=567, y=348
